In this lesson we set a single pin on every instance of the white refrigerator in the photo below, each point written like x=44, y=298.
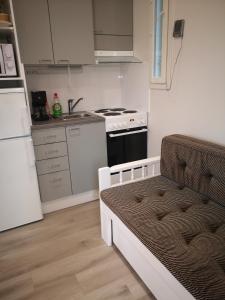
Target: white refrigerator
x=19, y=193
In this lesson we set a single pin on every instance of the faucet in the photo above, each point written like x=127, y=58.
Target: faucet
x=71, y=106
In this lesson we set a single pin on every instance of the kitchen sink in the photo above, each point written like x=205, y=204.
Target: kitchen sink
x=76, y=116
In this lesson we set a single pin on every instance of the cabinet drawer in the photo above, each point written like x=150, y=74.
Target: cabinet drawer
x=47, y=136
x=50, y=151
x=55, y=185
x=52, y=165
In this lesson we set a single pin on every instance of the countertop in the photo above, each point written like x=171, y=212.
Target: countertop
x=59, y=122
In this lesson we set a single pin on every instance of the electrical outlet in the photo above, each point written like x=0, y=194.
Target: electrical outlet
x=178, y=30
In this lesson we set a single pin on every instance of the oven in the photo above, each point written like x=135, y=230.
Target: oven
x=127, y=145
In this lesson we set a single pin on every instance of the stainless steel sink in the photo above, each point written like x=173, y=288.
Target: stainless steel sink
x=80, y=115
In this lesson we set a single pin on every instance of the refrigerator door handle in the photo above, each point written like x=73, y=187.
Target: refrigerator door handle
x=25, y=120
x=30, y=153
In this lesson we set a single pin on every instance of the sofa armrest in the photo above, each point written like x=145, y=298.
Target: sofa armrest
x=128, y=172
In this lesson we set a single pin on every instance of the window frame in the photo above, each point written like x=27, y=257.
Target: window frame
x=162, y=80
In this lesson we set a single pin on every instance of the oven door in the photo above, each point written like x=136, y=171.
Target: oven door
x=127, y=145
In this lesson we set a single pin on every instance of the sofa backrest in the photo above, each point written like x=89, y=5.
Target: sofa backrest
x=194, y=163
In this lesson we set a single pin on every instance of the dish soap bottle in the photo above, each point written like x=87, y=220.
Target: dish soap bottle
x=57, y=107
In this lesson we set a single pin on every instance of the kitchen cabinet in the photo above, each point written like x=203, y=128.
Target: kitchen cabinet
x=72, y=31
x=87, y=153
x=33, y=29
x=113, y=17
x=68, y=159
x=52, y=163
x=113, y=24
x=55, y=31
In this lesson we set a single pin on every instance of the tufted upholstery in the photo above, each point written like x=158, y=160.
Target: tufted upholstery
x=196, y=164
x=179, y=220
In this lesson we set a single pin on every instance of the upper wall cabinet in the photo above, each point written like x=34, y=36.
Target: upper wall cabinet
x=113, y=24
x=72, y=31
x=33, y=29
x=55, y=31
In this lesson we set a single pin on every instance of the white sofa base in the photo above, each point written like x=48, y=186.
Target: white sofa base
x=153, y=273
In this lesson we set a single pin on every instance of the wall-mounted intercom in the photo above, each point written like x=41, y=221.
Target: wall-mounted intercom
x=178, y=30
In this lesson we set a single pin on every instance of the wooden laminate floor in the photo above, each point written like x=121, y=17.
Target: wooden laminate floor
x=63, y=257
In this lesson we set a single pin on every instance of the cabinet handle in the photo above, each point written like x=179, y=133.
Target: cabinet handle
x=55, y=166
x=98, y=31
x=74, y=132
x=63, y=61
x=56, y=180
x=45, y=61
x=51, y=137
x=50, y=152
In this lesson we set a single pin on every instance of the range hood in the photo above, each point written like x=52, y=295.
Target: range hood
x=103, y=56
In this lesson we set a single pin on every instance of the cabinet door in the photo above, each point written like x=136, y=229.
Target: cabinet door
x=87, y=153
x=33, y=28
x=113, y=17
x=72, y=31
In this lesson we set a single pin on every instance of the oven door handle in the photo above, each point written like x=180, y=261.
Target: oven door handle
x=113, y=135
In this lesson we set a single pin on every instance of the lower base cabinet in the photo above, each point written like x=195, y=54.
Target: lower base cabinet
x=87, y=153
x=68, y=159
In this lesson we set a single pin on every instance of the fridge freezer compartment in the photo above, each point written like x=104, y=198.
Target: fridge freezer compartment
x=14, y=116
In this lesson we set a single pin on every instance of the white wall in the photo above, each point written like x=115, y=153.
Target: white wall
x=135, y=86
x=99, y=85
x=196, y=103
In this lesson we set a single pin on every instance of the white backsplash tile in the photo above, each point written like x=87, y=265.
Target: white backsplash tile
x=100, y=85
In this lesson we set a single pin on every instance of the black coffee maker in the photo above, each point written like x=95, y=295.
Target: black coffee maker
x=39, y=103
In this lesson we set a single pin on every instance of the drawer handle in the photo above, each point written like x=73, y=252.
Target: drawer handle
x=55, y=166
x=74, y=132
x=45, y=61
x=56, y=180
x=51, y=137
x=63, y=61
x=51, y=152
x=98, y=31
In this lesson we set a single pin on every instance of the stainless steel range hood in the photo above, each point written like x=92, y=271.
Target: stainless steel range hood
x=103, y=56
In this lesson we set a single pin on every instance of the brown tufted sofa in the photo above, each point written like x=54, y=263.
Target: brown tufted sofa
x=180, y=215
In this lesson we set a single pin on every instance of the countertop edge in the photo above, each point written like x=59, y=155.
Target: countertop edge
x=59, y=123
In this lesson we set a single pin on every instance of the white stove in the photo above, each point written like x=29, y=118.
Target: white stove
x=121, y=119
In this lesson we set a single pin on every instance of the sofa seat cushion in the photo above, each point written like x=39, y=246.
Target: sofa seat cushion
x=184, y=229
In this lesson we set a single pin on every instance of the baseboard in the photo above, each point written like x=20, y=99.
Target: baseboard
x=69, y=201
